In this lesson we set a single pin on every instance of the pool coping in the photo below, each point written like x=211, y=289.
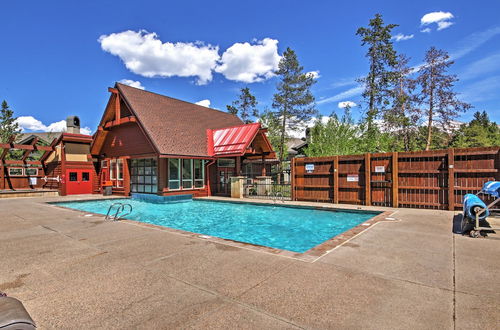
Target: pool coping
x=310, y=255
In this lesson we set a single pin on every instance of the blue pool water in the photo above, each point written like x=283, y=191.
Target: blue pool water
x=288, y=228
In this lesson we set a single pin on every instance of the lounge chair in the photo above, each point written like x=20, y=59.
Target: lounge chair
x=475, y=210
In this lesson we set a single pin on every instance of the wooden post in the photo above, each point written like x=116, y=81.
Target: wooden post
x=368, y=173
x=395, y=181
x=292, y=175
x=336, y=180
x=451, y=179
x=238, y=166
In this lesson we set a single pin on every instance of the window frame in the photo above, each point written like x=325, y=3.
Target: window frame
x=189, y=180
x=16, y=168
x=178, y=180
x=31, y=168
x=202, y=179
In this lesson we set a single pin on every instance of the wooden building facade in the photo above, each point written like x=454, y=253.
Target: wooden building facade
x=150, y=143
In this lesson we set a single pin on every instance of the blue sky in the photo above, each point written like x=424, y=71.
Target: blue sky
x=57, y=58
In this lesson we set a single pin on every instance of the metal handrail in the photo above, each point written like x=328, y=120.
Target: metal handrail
x=119, y=209
x=110, y=208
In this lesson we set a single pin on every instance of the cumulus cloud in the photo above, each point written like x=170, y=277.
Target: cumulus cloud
x=314, y=74
x=204, y=103
x=441, y=18
x=132, y=83
x=426, y=30
x=145, y=54
x=248, y=62
x=31, y=124
x=345, y=104
x=401, y=37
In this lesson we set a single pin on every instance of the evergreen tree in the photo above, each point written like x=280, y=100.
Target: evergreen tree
x=293, y=102
x=479, y=132
x=437, y=94
x=273, y=124
x=8, y=125
x=335, y=137
x=245, y=106
x=402, y=117
x=382, y=57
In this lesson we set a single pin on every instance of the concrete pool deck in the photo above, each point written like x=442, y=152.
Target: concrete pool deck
x=77, y=271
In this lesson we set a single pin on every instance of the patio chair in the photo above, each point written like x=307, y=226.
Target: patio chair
x=475, y=210
x=13, y=315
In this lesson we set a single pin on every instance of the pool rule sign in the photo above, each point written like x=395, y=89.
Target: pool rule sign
x=309, y=168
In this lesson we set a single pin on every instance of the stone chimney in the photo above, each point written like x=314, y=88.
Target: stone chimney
x=73, y=124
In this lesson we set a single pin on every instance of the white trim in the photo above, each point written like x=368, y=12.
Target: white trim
x=16, y=168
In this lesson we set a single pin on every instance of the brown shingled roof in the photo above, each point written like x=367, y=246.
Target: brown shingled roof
x=176, y=127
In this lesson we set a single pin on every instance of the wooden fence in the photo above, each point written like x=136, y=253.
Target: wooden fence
x=436, y=179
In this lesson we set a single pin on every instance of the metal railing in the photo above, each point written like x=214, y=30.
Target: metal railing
x=272, y=191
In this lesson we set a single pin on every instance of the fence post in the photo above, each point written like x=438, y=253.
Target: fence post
x=292, y=174
x=451, y=179
x=336, y=179
x=368, y=174
x=395, y=180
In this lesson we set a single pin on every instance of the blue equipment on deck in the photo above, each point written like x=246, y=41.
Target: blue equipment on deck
x=476, y=210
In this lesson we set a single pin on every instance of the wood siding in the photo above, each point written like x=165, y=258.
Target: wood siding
x=126, y=140
x=436, y=179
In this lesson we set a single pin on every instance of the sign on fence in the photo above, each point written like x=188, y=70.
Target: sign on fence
x=352, y=178
x=309, y=168
x=379, y=169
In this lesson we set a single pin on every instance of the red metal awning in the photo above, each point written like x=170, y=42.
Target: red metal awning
x=233, y=140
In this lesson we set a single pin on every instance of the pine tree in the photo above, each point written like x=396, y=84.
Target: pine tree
x=8, y=125
x=245, y=106
x=401, y=118
x=479, y=132
x=293, y=102
x=334, y=137
x=437, y=94
x=382, y=58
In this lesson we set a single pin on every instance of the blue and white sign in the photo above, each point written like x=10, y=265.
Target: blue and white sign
x=309, y=168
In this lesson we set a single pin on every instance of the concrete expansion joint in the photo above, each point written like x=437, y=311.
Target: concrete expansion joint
x=234, y=301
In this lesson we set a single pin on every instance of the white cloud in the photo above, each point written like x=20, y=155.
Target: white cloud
x=31, y=124
x=441, y=18
x=444, y=25
x=481, y=67
x=314, y=74
x=401, y=37
x=250, y=62
x=204, y=103
x=474, y=41
x=426, y=30
x=483, y=90
x=345, y=104
x=144, y=54
x=343, y=95
x=132, y=83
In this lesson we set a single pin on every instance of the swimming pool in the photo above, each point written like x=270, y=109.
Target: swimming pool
x=296, y=229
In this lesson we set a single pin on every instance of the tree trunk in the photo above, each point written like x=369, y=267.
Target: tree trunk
x=429, y=125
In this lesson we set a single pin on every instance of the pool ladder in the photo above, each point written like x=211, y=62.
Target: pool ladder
x=277, y=195
x=119, y=209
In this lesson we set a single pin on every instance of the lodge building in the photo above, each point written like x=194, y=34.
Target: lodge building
x=150, y=143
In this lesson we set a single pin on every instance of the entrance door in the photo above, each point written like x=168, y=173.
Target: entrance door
x=78, y=182
x=224, y=175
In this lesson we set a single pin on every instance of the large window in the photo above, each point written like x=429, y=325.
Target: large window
x=199, y=173
x=143, y=175
x=174, y=173
x=186, y=173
